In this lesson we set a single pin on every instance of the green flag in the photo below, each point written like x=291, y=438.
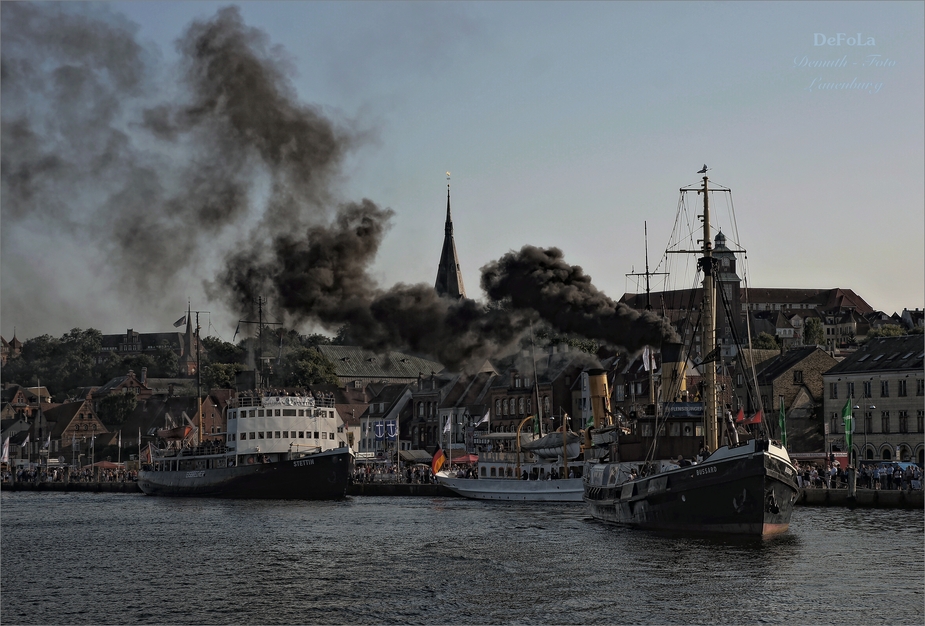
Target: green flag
x=782, y=419
x=848, y=419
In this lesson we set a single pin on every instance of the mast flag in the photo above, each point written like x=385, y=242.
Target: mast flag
x=848, y=418
x=437, y=461
x=782, y=420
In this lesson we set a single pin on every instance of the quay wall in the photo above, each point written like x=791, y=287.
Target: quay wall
x=864, y=498
x=106, y=487
x=357, y=489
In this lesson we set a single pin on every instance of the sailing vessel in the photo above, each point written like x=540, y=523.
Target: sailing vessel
x=279, y=444
x=523, y=469
x=744, y=488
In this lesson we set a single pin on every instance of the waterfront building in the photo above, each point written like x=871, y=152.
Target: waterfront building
x=884, y=384
x=186, y=345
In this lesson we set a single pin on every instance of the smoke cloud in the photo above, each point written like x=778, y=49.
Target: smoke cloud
x=234, y=164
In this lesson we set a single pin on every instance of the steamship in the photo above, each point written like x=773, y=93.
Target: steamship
x=278, y=446
x=746, y=488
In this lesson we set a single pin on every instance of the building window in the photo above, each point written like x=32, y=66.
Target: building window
x=920, y=420
x=920, y=387
x=833, y=391
x=850, y=388
x=903, y=422
x=885, y=422
x=901, y=387
x=833, y=424
x=798, y=376
x=522, y=405
x=868, y=422
x=884, y=389
x=420, y=409
x=497, y=408
x=867, y=389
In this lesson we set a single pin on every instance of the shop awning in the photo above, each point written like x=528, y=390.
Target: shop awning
x=416, y=456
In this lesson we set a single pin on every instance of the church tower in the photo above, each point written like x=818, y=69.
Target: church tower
x=449, y=277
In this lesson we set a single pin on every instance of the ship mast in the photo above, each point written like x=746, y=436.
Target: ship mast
x=710, y=424
x=646, y=355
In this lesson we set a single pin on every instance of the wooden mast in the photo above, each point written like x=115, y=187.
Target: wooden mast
x=708, y=396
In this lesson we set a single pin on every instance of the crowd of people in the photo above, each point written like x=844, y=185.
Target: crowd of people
x=418, y=474
x=73, y=475
x=886, y=476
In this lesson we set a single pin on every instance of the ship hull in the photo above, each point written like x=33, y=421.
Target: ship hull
x=746, y=492
x=563, y=490
x=322, y=476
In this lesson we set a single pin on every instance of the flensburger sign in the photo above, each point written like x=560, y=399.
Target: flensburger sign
x=693, y=410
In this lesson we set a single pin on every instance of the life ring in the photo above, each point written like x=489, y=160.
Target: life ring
x=250, y=460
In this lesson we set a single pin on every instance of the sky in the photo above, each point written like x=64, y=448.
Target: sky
x=569, y=125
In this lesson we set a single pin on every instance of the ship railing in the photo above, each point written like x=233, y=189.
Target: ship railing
x=505, y=457
x=257, y=399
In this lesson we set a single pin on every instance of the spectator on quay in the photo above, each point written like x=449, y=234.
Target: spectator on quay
x=876, y=477
x=897, y=478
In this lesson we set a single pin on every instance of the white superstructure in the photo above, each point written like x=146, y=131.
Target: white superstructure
x=280, y=424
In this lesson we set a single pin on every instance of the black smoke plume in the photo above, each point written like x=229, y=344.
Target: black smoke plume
x=539, y=280
x=90, y=146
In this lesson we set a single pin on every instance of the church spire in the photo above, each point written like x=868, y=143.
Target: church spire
x=449, y=276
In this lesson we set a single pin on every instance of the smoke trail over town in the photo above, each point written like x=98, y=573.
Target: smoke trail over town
x=236, y=167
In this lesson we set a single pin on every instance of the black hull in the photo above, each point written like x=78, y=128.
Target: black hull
x=322, y=476
x=749, y=493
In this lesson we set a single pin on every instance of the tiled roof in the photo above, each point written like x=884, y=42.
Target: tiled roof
x=773, y=368
x=885, y=354
x=354, y=362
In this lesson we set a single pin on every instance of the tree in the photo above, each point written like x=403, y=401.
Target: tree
x=305, y=367
x=115, y=407
x=166, y=362
x=223, y=351
x=220, y=375
x=812, y=332
x=765, y=341
x=887, y=330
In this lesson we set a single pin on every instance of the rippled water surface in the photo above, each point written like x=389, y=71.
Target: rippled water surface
x=129, y=559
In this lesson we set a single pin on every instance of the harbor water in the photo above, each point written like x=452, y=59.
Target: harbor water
x=111, y=558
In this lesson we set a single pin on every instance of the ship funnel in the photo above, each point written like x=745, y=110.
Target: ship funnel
x=599, y=393
x=674, y=370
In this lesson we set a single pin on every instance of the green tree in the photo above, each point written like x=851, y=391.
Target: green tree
x=305, y=367
x=166, y=362
x=60, y=365
x=765, y=341
x=223, y=351
x=116, y=407
x=220, y=375
x=812, y=332
x=887, y=330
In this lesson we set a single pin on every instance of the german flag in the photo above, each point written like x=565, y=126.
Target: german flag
x=438, y=460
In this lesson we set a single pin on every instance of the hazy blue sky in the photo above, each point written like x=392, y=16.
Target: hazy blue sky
x=563, y=124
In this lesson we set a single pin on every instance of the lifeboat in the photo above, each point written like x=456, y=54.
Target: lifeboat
x=178, y=433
